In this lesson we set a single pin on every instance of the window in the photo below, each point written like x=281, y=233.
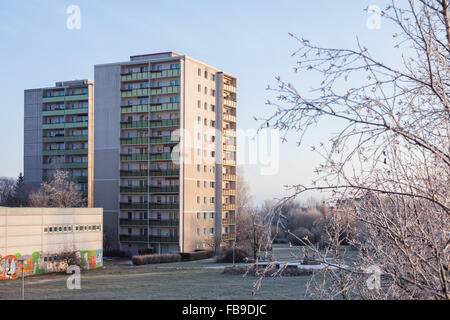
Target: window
x=213, y=123
x=198, y=168
x=212, y=199
x=198, y=199
x=204, y=200
x=198, y=183
x=204, y=168
x=199, y=72
x=206, y=90
x=206, y=106
x=198, y=215
x=198, y=104
x=213, y=108
x=212, y=185
x=204, y=184
x=204, y=230
x=212, y=215
x=204, y=215
x=213, y=77
x=198, y=231
x=211, y=231
x=206, y=74
x=213, y=92
x=205, y=122
x=199, y=88
x=213, y=154
x=199, y=120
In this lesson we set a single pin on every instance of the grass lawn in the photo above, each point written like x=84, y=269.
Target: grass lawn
x=182, y=280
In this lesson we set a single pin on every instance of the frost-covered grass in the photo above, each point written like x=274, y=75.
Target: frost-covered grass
x=202, y=279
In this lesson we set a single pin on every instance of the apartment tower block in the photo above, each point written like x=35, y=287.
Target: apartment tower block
x=58, y=134
x=165, y=153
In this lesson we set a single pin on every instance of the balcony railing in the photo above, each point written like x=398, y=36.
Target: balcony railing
x=65, y=138
x=151, y=173
x=229, y=192
x=131, y=238
x=145, y=206
x=229, y=103
x=164, y=239
x=230, y=206
x=229, y=133
x=133, y=222
x=156, y=74
x=141, y=92
x=164, y=223
x=152, y=189
x=229, y=177
x=227, y=162
x=165, y=90
x=228, y=221
x=64, y=152
x=229, y=88
x=229, y=117
x=228, y=236
x=134, y=76
x=229, y=147
x=149, y=157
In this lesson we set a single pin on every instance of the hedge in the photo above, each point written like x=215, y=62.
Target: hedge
x=156, y=258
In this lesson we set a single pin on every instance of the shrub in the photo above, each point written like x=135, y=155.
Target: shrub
x=156, y=258
x=299, y=235
x=197, y=255
x=240, y=255
x=269, y=272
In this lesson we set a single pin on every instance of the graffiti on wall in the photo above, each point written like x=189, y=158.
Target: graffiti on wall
x=10, y=267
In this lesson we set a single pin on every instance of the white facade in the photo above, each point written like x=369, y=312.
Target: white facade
x=38, y=235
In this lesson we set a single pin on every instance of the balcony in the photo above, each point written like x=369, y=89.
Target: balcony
x=165, y=90
x=228, y=221
x=229, y=192
x=229, y=118
x=65, y=152
x=64, y=125
x=133, y=222
x=165, y=107
x=135, y=109
x=157, y=74
x=229, y=88
x=229, y=147
x=151, y=206
x=65, y=138
x=152, y=189
x=141, y=92
x=229, y=177
x=66, y=165
x=131, y=238
x=76, y=97
x=227, y=162
x=164, y=223
x=228, y=236
x=229, y=133
x=229, y=103
x=134, y=76
x=152, y=140
x=64, y=112
x=164, y=239
x=165, y=123
x=152, y=173
x=229, y=206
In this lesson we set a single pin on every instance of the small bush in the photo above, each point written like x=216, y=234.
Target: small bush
x=240, y=255
x=156, y=258
x=196, y=255
x=269, y=272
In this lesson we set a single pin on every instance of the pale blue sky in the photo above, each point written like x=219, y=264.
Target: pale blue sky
x=248, y=39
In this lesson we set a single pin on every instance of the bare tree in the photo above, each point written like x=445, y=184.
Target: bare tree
x=6, y=191
x=390, y=160
x=59, y=192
